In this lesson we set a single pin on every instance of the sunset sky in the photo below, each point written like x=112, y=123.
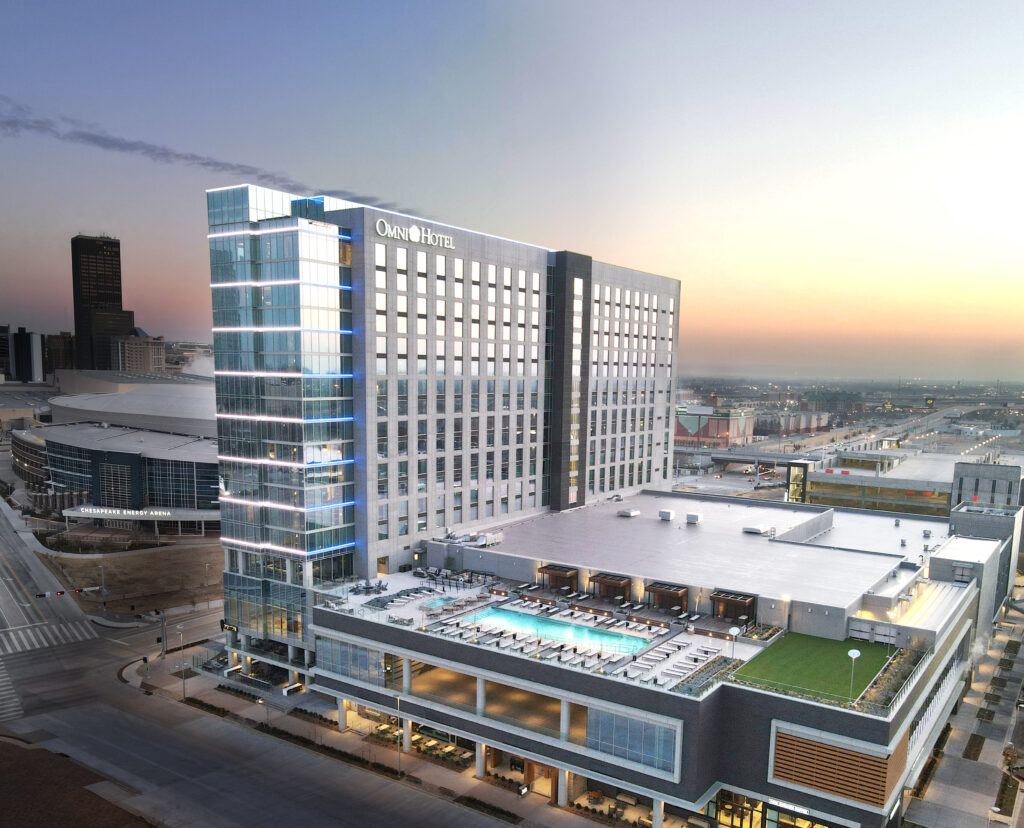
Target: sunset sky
x=836, y=185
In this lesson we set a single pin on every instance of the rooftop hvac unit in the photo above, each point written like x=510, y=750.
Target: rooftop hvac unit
x=903, y=541
x=693, y=518
x=666, y=514
x=897, y=522
x=927, y=533
x=629, y=513
x=757, y=530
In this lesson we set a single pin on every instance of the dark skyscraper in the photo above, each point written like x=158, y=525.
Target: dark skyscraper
x=96, y=279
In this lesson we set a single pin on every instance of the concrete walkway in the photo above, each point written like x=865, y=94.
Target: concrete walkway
x=962, y=791
x=157, y=678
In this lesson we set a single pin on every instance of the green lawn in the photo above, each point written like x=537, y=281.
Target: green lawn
x=815, y=665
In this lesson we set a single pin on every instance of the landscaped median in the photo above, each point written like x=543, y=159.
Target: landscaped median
x=816, y=667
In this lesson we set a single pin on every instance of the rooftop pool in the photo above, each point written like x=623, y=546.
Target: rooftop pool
x=438, y=602
x=564, y=632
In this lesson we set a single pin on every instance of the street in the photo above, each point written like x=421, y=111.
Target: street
x=172, y=764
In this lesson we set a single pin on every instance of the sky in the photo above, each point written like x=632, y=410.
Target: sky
x=836, y=185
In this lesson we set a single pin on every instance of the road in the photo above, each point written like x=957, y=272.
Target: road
x=173, y=764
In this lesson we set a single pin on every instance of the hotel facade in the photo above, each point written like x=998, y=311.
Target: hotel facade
x=482, y=425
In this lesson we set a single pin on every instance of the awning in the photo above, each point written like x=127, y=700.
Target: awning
x=558, y=569
x=660, y=588
x=721, y=594
x=611, y=580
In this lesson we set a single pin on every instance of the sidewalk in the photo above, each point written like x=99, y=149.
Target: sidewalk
x=962, y=791
x=156, y=677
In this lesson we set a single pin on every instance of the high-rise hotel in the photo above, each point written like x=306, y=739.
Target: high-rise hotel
x=381, y=379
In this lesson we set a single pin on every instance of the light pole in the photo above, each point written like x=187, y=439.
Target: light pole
x=266, y=710
x=854, y=655
x=181, y=650
x=734, y=631
x=103, y=587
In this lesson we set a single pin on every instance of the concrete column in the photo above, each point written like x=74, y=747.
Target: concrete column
x=481, y=696
x=481, y=753
x=406, y=675
x=293, y=652
x=658, y=813
x=247, y=665
x=406, y=735
x=307, y=657
x=342, y=714
x=307, y=574
x=245, y=641
x=563, y=787
x=563, y=721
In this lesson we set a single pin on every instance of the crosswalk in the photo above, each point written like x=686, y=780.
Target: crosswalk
x=10, y=705
x=23, y=639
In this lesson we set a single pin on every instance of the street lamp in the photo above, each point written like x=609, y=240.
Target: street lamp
x=181, y=650
x=854, y=655
x=103, y=587
x=266, y=710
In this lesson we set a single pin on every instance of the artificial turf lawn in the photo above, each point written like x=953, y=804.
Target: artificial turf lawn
x=816, y=665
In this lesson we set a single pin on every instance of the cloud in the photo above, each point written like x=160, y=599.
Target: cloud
x=17, y=119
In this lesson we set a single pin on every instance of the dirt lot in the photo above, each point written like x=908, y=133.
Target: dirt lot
x=42, y=788
x=169, y=576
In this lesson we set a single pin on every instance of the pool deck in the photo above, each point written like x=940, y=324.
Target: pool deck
x=668, y=655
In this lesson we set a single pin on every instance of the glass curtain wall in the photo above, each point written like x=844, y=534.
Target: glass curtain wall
x=283, y=347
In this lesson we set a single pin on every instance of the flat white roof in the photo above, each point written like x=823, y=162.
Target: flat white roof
x=973, y=550
x=833, y=570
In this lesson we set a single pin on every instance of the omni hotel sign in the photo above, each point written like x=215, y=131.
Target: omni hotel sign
x=415, y=234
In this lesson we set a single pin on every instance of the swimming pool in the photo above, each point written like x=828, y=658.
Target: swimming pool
x=555, y=629
x=438, y=602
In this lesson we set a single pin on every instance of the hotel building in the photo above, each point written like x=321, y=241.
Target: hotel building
x=671, y=659
x=481, y=424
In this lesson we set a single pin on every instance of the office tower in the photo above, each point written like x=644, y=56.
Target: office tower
x=5, y=352
x=26, y=356
x=381, y=380
x=96, y=282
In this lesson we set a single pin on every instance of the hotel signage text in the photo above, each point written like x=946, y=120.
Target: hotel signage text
x=414, y=234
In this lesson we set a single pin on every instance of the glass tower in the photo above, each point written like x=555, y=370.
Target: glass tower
x=281, y=281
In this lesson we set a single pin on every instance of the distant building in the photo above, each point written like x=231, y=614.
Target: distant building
x=922, y=483
x=985, y=484
x=137, y=352
x=700, y=426
x=26, y=356
x=5, y=352
x=791, y=422
x=96, y=283
x=59, y=351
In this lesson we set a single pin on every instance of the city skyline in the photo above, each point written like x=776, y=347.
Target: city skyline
x=830, y=185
